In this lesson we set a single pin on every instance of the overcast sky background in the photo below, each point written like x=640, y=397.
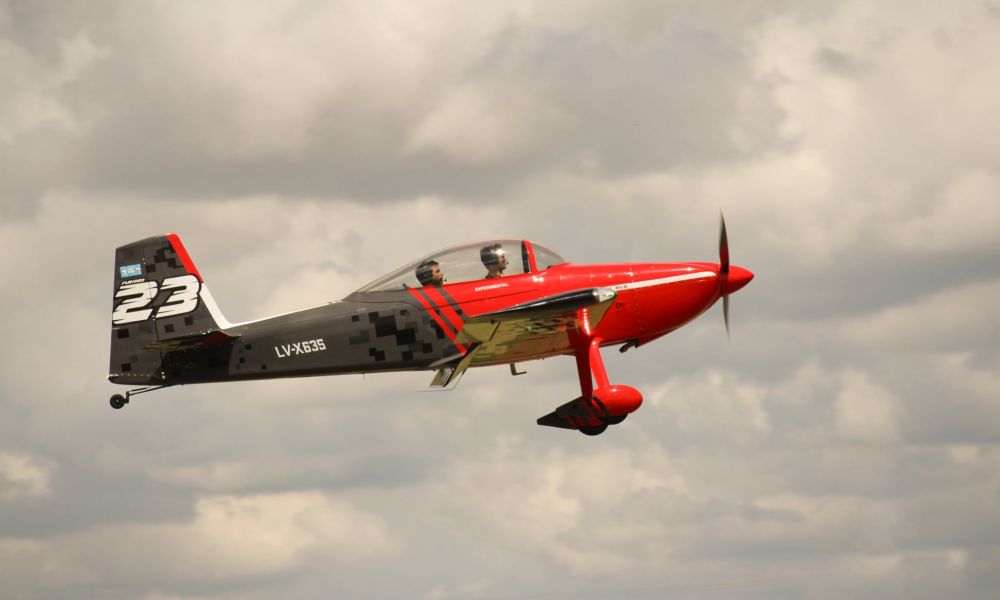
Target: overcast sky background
x=845, y=443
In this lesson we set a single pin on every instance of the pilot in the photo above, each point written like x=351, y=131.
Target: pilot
x=494, y=260
x=429, y=273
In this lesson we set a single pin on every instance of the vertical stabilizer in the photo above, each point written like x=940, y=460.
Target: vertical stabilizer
x=159, y=297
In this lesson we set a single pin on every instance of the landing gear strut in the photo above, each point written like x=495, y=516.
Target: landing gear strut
x=118, y=401
x=588, y=361
x=603, y=404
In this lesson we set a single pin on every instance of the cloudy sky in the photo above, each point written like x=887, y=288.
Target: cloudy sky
x=845, y=443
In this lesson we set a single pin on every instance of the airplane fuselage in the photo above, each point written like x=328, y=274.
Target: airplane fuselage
x=417, y=328
x=511, y=301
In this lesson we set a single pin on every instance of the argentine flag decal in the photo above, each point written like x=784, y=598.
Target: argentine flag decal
x=128, y=271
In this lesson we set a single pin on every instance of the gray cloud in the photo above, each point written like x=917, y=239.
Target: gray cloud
x=380, y=101
x=843, y=444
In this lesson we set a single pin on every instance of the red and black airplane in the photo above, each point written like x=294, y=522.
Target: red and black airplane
x=475, y=305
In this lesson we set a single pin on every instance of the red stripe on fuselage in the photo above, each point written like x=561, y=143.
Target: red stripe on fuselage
x=447, y=311
x=182, y=254
x=437, y=318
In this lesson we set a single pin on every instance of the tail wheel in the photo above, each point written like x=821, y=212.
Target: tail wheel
x=118, y=401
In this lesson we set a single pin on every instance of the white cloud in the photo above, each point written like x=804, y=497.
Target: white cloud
x=966, y=215
x=23, y=475
x=889, y=112
x=251, y=80
x=851, y=456
x=157, y=595
x=573, y=509
x=866, y=411
x=487, y=124
x=228, y=537
x=474, y=589
x=261, y=80
x=710, y=405
x=950, y=319
x=976, y=382
x=30, y=100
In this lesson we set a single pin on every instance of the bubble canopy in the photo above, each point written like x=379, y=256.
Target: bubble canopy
x=468, y=262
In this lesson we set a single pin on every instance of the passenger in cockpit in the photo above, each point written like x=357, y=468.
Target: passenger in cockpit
x=494, y=259
x=429, y=273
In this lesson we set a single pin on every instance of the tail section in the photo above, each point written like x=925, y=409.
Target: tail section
x=161, y=307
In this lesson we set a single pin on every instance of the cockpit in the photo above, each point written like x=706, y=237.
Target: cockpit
x=469, y=262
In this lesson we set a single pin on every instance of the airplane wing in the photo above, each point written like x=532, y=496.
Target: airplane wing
x=529, y=329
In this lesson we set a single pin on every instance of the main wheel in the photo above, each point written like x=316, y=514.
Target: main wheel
x=118, y=401
x=593, y=429
x=614, y=420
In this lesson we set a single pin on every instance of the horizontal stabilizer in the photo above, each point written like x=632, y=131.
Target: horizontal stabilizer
x=191, y=342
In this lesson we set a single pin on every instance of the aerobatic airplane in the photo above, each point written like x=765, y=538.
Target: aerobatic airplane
x=489, y=303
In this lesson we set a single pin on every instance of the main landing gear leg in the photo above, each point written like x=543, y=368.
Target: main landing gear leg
x=118, y=401
x=590, y=369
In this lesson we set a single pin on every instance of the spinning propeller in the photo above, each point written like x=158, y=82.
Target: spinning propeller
x=730, y=279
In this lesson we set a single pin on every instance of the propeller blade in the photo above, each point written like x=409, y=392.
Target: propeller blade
x=725, y=313
x=724, y=269
x=723, y=245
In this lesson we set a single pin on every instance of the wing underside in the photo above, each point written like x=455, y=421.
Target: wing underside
x=527, y=331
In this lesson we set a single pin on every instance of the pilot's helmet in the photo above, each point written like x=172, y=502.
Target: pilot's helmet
x=425, y=271
x=492, y=256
